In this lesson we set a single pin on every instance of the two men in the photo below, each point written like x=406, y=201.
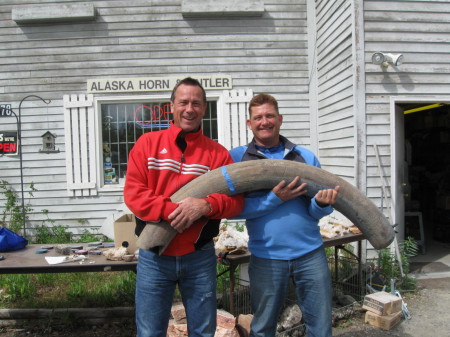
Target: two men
x=159, y=164
x=284, y=237
x=285, y=241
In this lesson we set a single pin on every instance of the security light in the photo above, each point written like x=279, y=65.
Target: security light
x=386, y=59
x=378, y=58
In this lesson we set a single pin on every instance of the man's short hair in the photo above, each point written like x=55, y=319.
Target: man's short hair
x=188, y=81
x=261, y=99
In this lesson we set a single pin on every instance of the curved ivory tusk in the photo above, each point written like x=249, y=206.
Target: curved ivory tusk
x=265, y=174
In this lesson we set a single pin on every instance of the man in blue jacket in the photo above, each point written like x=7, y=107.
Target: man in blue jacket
x=284, y=236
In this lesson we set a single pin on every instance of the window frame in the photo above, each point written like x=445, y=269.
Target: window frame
x=99, y=101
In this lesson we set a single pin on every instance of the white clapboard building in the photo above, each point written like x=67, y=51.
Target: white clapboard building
x=364, y=84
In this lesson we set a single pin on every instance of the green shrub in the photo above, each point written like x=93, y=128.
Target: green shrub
x=13, y=214
x=389, y=266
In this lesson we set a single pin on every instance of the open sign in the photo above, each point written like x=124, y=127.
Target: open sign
x=8, y=143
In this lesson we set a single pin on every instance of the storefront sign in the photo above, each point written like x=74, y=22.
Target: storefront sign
x=8, y=142
x=144, y=84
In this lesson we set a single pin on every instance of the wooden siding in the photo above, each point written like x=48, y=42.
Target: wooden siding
x=136, y=38
x=420, y=30
x=335, y=82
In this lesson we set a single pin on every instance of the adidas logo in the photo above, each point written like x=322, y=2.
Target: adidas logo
x=163, y=151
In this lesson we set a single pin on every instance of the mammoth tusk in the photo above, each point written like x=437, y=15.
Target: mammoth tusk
x=256, y=175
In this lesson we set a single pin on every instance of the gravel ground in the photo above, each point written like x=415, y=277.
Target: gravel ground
x=428, y=309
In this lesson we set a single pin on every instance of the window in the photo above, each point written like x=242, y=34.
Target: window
x=90, y=123
x=123, y=123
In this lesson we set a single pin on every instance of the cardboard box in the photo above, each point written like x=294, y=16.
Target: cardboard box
x=124, y=232
x=382, y=303
x=385, y=322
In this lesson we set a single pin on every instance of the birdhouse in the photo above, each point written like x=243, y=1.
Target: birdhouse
x=48, y=143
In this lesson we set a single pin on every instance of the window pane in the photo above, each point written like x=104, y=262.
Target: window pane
x=124, y=123
x=209, y=119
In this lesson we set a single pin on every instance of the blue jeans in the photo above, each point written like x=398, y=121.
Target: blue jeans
x=269, y=281
x=156, y=280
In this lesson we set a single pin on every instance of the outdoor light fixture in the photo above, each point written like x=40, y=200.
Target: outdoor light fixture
x=386, y=59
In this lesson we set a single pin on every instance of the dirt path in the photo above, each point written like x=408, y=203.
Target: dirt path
x=429, y=310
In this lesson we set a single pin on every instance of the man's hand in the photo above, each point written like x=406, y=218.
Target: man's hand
x=327, y=197
x=188, y=211
x=288, y=192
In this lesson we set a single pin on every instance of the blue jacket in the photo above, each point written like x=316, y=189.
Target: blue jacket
x=280, y=230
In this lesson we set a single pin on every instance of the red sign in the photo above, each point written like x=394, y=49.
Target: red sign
x=8, y=142
x=153, y=116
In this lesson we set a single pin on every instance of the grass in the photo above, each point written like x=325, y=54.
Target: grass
x=67, y=290
x=73, y=290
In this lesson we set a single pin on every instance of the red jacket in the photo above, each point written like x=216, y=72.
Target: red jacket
x=157, y=168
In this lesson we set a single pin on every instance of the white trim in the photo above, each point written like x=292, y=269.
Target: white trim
x=312, y=69
x=359, y=94
x=232, y=119
x=228, y=101
x=98, y=101
x=80, y=141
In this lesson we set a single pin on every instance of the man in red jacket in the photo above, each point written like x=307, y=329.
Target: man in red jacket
x=159, y=164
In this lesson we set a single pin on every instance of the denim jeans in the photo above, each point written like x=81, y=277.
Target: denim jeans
x=269, y=281
x=156, y=280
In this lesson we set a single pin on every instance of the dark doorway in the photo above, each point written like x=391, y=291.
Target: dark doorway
x=427, y=154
